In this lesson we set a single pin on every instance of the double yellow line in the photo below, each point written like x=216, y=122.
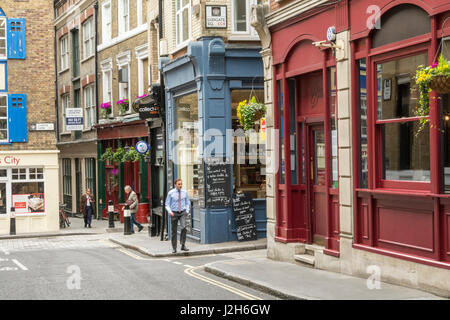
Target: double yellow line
x=191, y=272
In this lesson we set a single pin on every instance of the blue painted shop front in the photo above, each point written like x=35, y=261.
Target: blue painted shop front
x=200, y=90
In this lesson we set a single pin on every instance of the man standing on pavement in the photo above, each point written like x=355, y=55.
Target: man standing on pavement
x=178, y=205
x=133, y=202
x=86, y=207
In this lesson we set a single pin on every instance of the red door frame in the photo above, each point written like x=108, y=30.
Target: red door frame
x=285, y=221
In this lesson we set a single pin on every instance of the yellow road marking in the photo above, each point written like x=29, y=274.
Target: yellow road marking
x=191, y=272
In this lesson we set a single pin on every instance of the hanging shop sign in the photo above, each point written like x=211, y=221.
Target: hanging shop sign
x=74, y=119
x=142, y=147
x=216, y=17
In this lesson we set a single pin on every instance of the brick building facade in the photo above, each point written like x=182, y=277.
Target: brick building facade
x=28, y=153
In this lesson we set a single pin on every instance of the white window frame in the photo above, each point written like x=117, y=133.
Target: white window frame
x=5, y=118
x=5, y=38
x=106, y=22
x=179, y=32
x=64, y=47
x=124, y=16
x=141, y=55
x=65, y=103
x=139, y=12
x=89, y=106
x=107, y=88
x=250, y=31
x=88, y=38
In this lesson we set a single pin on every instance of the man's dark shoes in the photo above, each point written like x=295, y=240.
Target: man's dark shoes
x=174, y=250
x=140, y=228
x=89, y=226
x=184, y=248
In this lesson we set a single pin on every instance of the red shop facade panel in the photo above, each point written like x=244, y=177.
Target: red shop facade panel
x=305, y=108
x=401, y=171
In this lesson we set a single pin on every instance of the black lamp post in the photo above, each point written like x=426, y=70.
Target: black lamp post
x=147, y=159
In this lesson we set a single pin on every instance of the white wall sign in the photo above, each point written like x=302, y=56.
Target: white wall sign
x=42, y=127
x=216, y=17
x=74, y=119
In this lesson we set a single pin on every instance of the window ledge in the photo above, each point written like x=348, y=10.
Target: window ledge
x=65, y=133
x=88, y=58
x=238, y=37
x=180, y=47
x=65, y=70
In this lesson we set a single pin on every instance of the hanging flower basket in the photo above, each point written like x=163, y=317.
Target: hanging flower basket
x=435, y=77
x=249, y=113
x=440, y=84
x=107, y=155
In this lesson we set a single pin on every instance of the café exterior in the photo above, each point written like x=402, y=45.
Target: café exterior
x=203, y=89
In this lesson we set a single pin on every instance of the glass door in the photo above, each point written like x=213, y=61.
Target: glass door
x=3, y=199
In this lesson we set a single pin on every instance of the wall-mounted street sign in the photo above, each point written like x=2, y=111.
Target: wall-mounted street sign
x=74, y=119
x=216, y=17
x=42, y=127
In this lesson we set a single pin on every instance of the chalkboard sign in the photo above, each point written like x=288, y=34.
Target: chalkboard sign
x=201, y=185
x=244, y=217
x=218, y=184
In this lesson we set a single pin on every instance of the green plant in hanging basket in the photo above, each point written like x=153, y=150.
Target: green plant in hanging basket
x=118, y=155
x=250, y=112
x=107, y=155
x=435, y=77
x=132, y=155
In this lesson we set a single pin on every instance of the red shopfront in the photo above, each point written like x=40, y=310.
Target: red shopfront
x=400, y=173
x=117, y=176
x=305, y=105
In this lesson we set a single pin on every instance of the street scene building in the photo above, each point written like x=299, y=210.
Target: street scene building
x=359, y=184
x=312, y=138
x=76, y=82
x=28, y=153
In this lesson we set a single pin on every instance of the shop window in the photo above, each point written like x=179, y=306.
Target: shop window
x=281, y=131
x=396, y=25
x=90, y=174
x=187, y=149
x=293, y=130
x=333, y=127
x=405, y=150
x=249, y=168
x=363, y=155
x=67, y=183
x=28, y=197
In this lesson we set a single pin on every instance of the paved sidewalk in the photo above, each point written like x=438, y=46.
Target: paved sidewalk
x=293, y=281
x=76, y=228
x=154, y=247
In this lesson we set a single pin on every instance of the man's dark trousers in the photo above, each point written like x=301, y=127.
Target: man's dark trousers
x=88, y=216
x=174, y=220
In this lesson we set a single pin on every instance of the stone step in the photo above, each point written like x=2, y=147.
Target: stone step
x=312, y=248
x=305, y=258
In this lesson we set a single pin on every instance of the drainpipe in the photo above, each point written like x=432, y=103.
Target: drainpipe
x=163, y=119
x=99, y=216
x=56, y=86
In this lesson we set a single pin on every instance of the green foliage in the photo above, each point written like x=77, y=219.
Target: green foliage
x=250, y=112
x=132, y=155
x=119, y=155
x=108, y=155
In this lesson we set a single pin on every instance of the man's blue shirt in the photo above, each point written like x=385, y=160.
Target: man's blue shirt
x=173, y=198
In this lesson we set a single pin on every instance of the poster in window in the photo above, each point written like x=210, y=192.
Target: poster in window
x=28, y=203
x=387, y=85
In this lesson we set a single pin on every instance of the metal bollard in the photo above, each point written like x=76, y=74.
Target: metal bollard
x=111, y=214
x=126, y=220
x=12, y=225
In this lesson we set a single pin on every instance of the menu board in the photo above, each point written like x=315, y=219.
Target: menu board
x=218, y=184
x=244, y=217
x=201, y=184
